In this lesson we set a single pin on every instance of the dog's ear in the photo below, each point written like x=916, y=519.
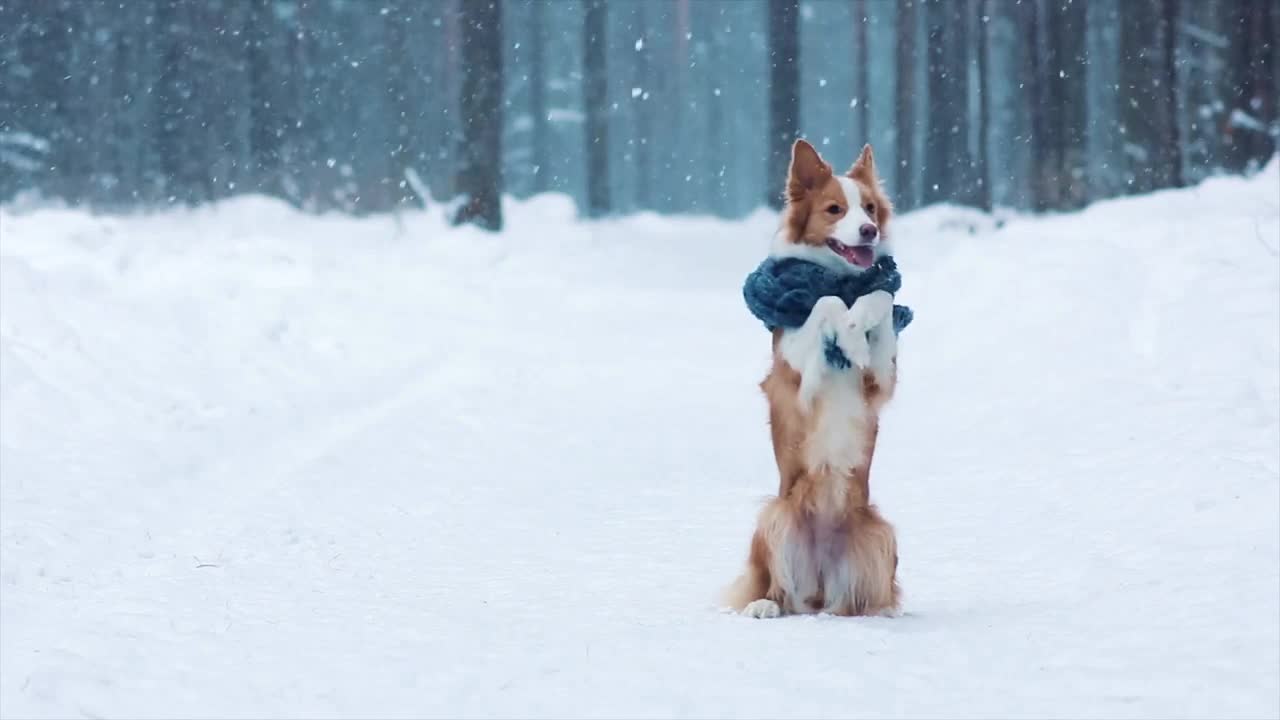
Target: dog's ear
x=808, y=170
x=864, y=172
x=864, y=168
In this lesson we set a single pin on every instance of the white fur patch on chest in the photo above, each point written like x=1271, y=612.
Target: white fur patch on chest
x=838, y=439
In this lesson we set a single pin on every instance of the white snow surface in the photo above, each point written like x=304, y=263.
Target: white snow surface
x=262, y=464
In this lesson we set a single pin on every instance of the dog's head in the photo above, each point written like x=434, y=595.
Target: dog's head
x=838, y=219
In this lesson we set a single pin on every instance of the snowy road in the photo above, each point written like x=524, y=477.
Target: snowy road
x=259, y=464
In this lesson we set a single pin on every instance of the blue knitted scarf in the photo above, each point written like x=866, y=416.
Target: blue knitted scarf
x=781, y=292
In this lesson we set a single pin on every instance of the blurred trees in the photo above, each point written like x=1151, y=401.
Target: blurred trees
x=665, y=105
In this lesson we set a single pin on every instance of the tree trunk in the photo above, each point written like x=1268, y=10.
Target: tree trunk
x=1043, y=106
x=947, y=158
x=181, y=160
x=784, y=92
x=1134, y=89
x=538, y=96
x=480, y=157
x=265, y=125
x=50, y=59
x=1104, y=146
x=400, y=77
x=905, y=99
x=642, y=109
x=1057, y=63
x=982, y=162
x=1168, y=146
x=1069, y=73
x=1148, y=95
x=595, y=89
x=716, y=127
x=861, y=72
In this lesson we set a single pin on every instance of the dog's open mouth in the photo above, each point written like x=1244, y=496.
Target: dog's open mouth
x=861, y=255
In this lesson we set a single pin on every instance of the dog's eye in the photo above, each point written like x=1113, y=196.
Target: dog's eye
x=870, y=208
x=833, y=209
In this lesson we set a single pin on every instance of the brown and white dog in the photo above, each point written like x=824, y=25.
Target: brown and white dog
x=820, y=546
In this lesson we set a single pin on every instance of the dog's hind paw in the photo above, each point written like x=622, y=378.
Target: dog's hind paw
x=893, y=611
x=762, y=608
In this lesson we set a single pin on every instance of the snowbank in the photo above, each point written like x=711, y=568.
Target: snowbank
x=259, y=463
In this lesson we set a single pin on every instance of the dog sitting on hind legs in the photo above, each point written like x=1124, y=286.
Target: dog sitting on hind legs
x=820, y=546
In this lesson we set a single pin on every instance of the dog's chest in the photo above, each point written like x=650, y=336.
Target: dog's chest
x=837, y=438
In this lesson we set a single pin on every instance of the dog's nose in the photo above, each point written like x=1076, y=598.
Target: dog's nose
x=868, y=232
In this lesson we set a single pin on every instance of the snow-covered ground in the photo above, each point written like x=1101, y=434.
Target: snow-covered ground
x=256, y=463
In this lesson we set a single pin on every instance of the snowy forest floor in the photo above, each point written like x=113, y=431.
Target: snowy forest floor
x=256, y=463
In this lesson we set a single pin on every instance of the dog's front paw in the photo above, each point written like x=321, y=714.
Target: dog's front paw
x=856, y=347
x=869, y=311
x=762, y=608
x=828, y=310
x=840, y=348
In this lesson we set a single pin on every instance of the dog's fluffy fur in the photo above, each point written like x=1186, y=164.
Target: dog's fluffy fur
x=820, y=546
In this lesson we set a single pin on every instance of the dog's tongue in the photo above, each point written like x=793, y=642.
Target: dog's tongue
x=861, y=255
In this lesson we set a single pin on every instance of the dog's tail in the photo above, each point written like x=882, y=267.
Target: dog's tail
x=753, y=583
x=741, y=591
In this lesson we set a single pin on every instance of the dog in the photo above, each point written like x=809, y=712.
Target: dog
x=820, y=546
